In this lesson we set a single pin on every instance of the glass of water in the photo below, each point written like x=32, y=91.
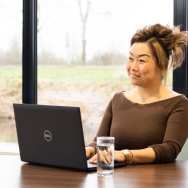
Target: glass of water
x=105, y=155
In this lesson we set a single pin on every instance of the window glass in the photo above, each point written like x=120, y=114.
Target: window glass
x=10, y=67
x=83, y=47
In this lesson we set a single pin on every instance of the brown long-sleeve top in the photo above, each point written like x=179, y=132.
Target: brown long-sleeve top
x=161, y=125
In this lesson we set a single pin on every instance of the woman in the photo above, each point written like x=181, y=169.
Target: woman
x=149, y=122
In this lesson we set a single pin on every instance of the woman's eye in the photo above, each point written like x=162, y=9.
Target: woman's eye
x=142, y=61
x=131, y=59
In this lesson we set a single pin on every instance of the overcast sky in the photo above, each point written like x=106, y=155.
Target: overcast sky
x=111, y=23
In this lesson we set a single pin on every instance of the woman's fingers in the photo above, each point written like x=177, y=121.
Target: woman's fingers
x=98, y=157
x=93, y=159
x=88, y=153
x=119, y=156
x=109, y=156
x=102, y=156
x=105, y=157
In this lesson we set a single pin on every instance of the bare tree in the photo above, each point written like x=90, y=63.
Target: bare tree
x=84, y=18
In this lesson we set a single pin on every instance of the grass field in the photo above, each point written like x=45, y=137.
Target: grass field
x=82, y=76
x=89, y=87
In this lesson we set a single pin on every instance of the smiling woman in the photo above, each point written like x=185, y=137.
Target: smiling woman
x=141, y=66
x=150, y=120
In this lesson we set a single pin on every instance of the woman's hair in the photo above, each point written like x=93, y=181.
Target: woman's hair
x=167, y=45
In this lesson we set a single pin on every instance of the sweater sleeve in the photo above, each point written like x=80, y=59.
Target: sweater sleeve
x=175, y=135
x=104, y=128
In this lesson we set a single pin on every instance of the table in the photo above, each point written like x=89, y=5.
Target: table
x=17, y=174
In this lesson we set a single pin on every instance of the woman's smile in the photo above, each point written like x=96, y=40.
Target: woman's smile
x=134, y=76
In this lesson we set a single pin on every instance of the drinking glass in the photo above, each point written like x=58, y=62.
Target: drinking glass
x=105, y=155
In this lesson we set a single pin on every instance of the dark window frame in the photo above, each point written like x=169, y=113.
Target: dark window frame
x=29, y=50
x=180, y=75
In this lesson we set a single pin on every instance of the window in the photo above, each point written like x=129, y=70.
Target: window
x=10, y=67
x=82, y=51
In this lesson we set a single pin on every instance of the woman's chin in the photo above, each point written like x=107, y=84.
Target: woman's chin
x=135, y=82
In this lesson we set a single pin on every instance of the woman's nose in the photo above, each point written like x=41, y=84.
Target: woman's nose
x=134, y=65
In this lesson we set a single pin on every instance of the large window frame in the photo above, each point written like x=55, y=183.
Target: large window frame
x=29, y=50
x=180, y=75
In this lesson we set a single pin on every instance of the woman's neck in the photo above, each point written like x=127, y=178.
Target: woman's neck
x=149, y=94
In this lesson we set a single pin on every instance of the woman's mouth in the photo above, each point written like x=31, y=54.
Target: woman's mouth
x=134, y=76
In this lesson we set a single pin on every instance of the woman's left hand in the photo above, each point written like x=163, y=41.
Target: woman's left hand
x=119, y=156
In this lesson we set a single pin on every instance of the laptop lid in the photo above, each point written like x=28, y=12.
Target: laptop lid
x=50, y=135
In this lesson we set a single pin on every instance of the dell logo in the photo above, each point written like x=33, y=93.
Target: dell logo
x=47, y=135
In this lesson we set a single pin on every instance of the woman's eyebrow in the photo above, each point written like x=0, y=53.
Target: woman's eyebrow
x=139, y=55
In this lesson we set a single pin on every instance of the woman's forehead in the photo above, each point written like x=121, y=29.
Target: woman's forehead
x=141, y=48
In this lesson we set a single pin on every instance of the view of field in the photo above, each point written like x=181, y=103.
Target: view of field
x=10, y=89
x=89, y=87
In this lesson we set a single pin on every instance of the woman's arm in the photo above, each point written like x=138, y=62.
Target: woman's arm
x=104, y=128
x=174, y=139
x=146, y=155
x=175, y=135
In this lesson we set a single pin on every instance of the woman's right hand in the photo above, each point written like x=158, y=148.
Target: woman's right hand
x=104, y=157
x=93, y=160
x=90, y=151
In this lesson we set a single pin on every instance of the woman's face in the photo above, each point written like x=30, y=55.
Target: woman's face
x=141, y=67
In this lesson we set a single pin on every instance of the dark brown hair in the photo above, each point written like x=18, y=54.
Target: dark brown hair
x=167, y=45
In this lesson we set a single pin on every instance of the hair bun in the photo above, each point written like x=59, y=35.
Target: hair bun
x=180, y=39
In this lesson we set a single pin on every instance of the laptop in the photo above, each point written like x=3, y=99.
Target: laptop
x=51, y=135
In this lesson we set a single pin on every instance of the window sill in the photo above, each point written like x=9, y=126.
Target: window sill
x=9, y=149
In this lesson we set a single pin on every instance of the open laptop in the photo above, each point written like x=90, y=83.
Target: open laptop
x=51, y=135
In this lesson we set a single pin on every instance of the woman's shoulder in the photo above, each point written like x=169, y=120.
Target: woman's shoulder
x=177, y=102
x=179, y=96
x=184, y=100
x=117, y=96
